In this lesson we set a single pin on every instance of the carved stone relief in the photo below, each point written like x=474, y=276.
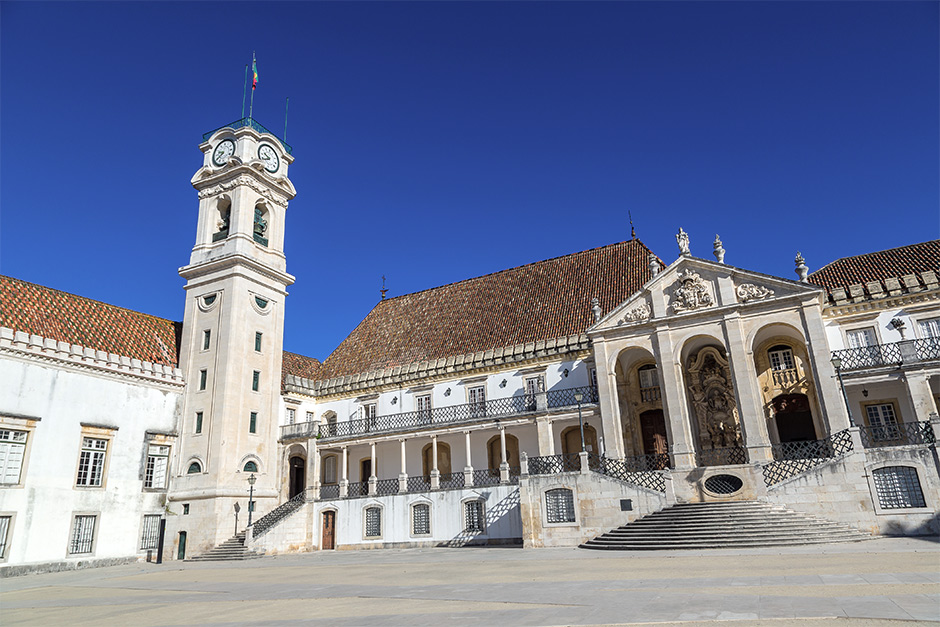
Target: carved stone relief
x=692, y=293
x=712, y=397
x=640, y=313
x=247, y=181
x=748, y=291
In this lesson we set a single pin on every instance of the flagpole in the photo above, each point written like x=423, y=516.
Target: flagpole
x=286, y=105
x=244, y=91
x=251, y=108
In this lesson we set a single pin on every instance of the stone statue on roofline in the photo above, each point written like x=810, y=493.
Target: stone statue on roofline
x=596, y=308
x=682, y=238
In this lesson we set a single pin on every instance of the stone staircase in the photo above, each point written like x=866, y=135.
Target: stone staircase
x=737, y=524
x=230, y=550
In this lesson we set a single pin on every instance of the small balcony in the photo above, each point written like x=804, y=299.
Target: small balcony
x=896, y=354
x=523, y=404
x=650, y=395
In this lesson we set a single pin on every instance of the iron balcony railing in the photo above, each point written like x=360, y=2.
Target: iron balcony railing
x=485, y=477
x=730, y=456
x=894, y=354
x=898, y=434
x=498, y=408
x=554, y=464
x=793, y=458
x=329, y=491
x=452, y=481
x=252, y=124
x=419, y=484
x=385, y=487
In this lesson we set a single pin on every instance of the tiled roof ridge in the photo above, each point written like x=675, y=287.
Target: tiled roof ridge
x=520, y=266
x=93, y=300
x=870, y=253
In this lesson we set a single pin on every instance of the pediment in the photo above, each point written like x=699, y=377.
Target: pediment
x=692, y=285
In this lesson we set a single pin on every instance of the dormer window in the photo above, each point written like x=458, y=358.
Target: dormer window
x=261, y=225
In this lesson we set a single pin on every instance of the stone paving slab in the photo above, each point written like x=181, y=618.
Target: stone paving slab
x=880, y=582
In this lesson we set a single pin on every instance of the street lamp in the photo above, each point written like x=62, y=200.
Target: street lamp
x=836, y=362
x=251, y=495
x=578, y=397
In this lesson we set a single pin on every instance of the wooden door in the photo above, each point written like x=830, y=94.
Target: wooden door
x=653, y=426
x=329, y=529
x=181, y=551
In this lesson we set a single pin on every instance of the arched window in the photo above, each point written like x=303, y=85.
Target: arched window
x=898, y=487
x=421, y=519
x=250, y=467
x=373, y=522
x=559, y=505
x=194, y=468
x=261, y=225
x=781, y=357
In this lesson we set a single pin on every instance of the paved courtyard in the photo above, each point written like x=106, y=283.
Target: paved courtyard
x=885, y=581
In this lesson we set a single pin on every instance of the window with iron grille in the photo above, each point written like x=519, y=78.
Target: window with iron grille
x=5, y=522
x=421, y=519
x=898, y=487
x=559, y=505
x=158, y=458
x=83, y=535
x=150, y=537
x=91, y=462
x=12, y=452
x=781, y=358
x=373, y=522
x=473, y=515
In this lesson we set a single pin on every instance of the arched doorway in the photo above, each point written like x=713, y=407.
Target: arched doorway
x=571, y=440
x=298, y=476
x=443, y=459
x=493, y=453
x=793, y=418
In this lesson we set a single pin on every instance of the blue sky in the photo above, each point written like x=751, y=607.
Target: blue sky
x=440, y=141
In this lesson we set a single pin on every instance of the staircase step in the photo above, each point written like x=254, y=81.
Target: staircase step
x=232, y=549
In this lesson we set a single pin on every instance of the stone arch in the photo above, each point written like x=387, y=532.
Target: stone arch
x=512, y=452
x=633, y=401
x=250, y=458
x=296, y=462
x=443, y=458
x=711, y=395
x=571, y=440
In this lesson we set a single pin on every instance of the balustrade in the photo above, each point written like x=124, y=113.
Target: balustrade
x=893, y=354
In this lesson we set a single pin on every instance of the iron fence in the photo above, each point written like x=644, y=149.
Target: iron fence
x=279, y=513
x=360, y=488
x=898, y=434
x=554, y=464
x=329, y=491
x=452, y=480
x=620, y=469
x=656, y=461
x=793, y=458
x=501, y=407
x=729, y=456
x=419, y=484
x=893, y=354
x=485, y=477
x=250, y=122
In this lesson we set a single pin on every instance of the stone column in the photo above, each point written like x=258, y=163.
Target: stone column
x=403, y=475
x=918, y=386
x=373, y=478
x=609, y=403
x=750, y=410
x=828, y=392
x=503, y=464
x=313, y=470
x=468, y=469
x=678, y=425
x=435, y=473
x=344, y=481
x=546, y=437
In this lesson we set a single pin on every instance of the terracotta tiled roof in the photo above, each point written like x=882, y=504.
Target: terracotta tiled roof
x=298, y=366
x=886, y=272
x=65, y=317
x=539, y=301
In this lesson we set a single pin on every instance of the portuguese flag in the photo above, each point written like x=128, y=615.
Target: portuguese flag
x=254, y=74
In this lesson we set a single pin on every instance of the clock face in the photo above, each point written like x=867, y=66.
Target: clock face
x=223, y=151
x=269, y=157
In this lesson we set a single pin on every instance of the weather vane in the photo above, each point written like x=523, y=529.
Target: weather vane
x=384, y=289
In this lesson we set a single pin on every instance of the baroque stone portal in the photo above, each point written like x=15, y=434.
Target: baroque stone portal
x=712, y=397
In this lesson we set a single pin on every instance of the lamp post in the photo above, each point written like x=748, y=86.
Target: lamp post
x=836, y=362
x=578, y=397
x=251, y=495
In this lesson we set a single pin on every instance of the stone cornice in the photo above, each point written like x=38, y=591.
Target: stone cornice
x=18, y=344
x=238, y=261
x=209, y=183
x=891, y=302
x=446, y=367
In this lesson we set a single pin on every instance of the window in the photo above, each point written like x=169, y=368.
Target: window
x=930, y=328
x=150, y=536
x=255, y=380
x=250, y=467
x=781, y=358
x=158, y=458
x=329, y=469
x=368, y=412
x=559, y=505
x=533, y=387
x=898, y=487
x=258, y=341
x=91, y=462
x=291, y=416
x=649, y=376
x=203, y=374
x=473, y=515
x=205, y=339
x=83, y=535
x=253, y=422
x=421, y=519
x=883, y=422
x=185, y=509
x=476, y=396
x=198, y=422
x=423, y=407
x=194, y=468
x=309, y=416
x=594, y=378
x=861, y=338
x=12, y=452
x=5, y=523
x=373, y=522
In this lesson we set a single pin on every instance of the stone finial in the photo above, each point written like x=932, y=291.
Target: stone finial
x=898, y=325
x=682, y=238
x=596, y=308
x=719, y=250
x=654, y=265
x=801, y=268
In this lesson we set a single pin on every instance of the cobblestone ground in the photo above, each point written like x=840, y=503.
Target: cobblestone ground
x=888, y=581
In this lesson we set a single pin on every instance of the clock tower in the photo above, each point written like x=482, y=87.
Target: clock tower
x=231, y=345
